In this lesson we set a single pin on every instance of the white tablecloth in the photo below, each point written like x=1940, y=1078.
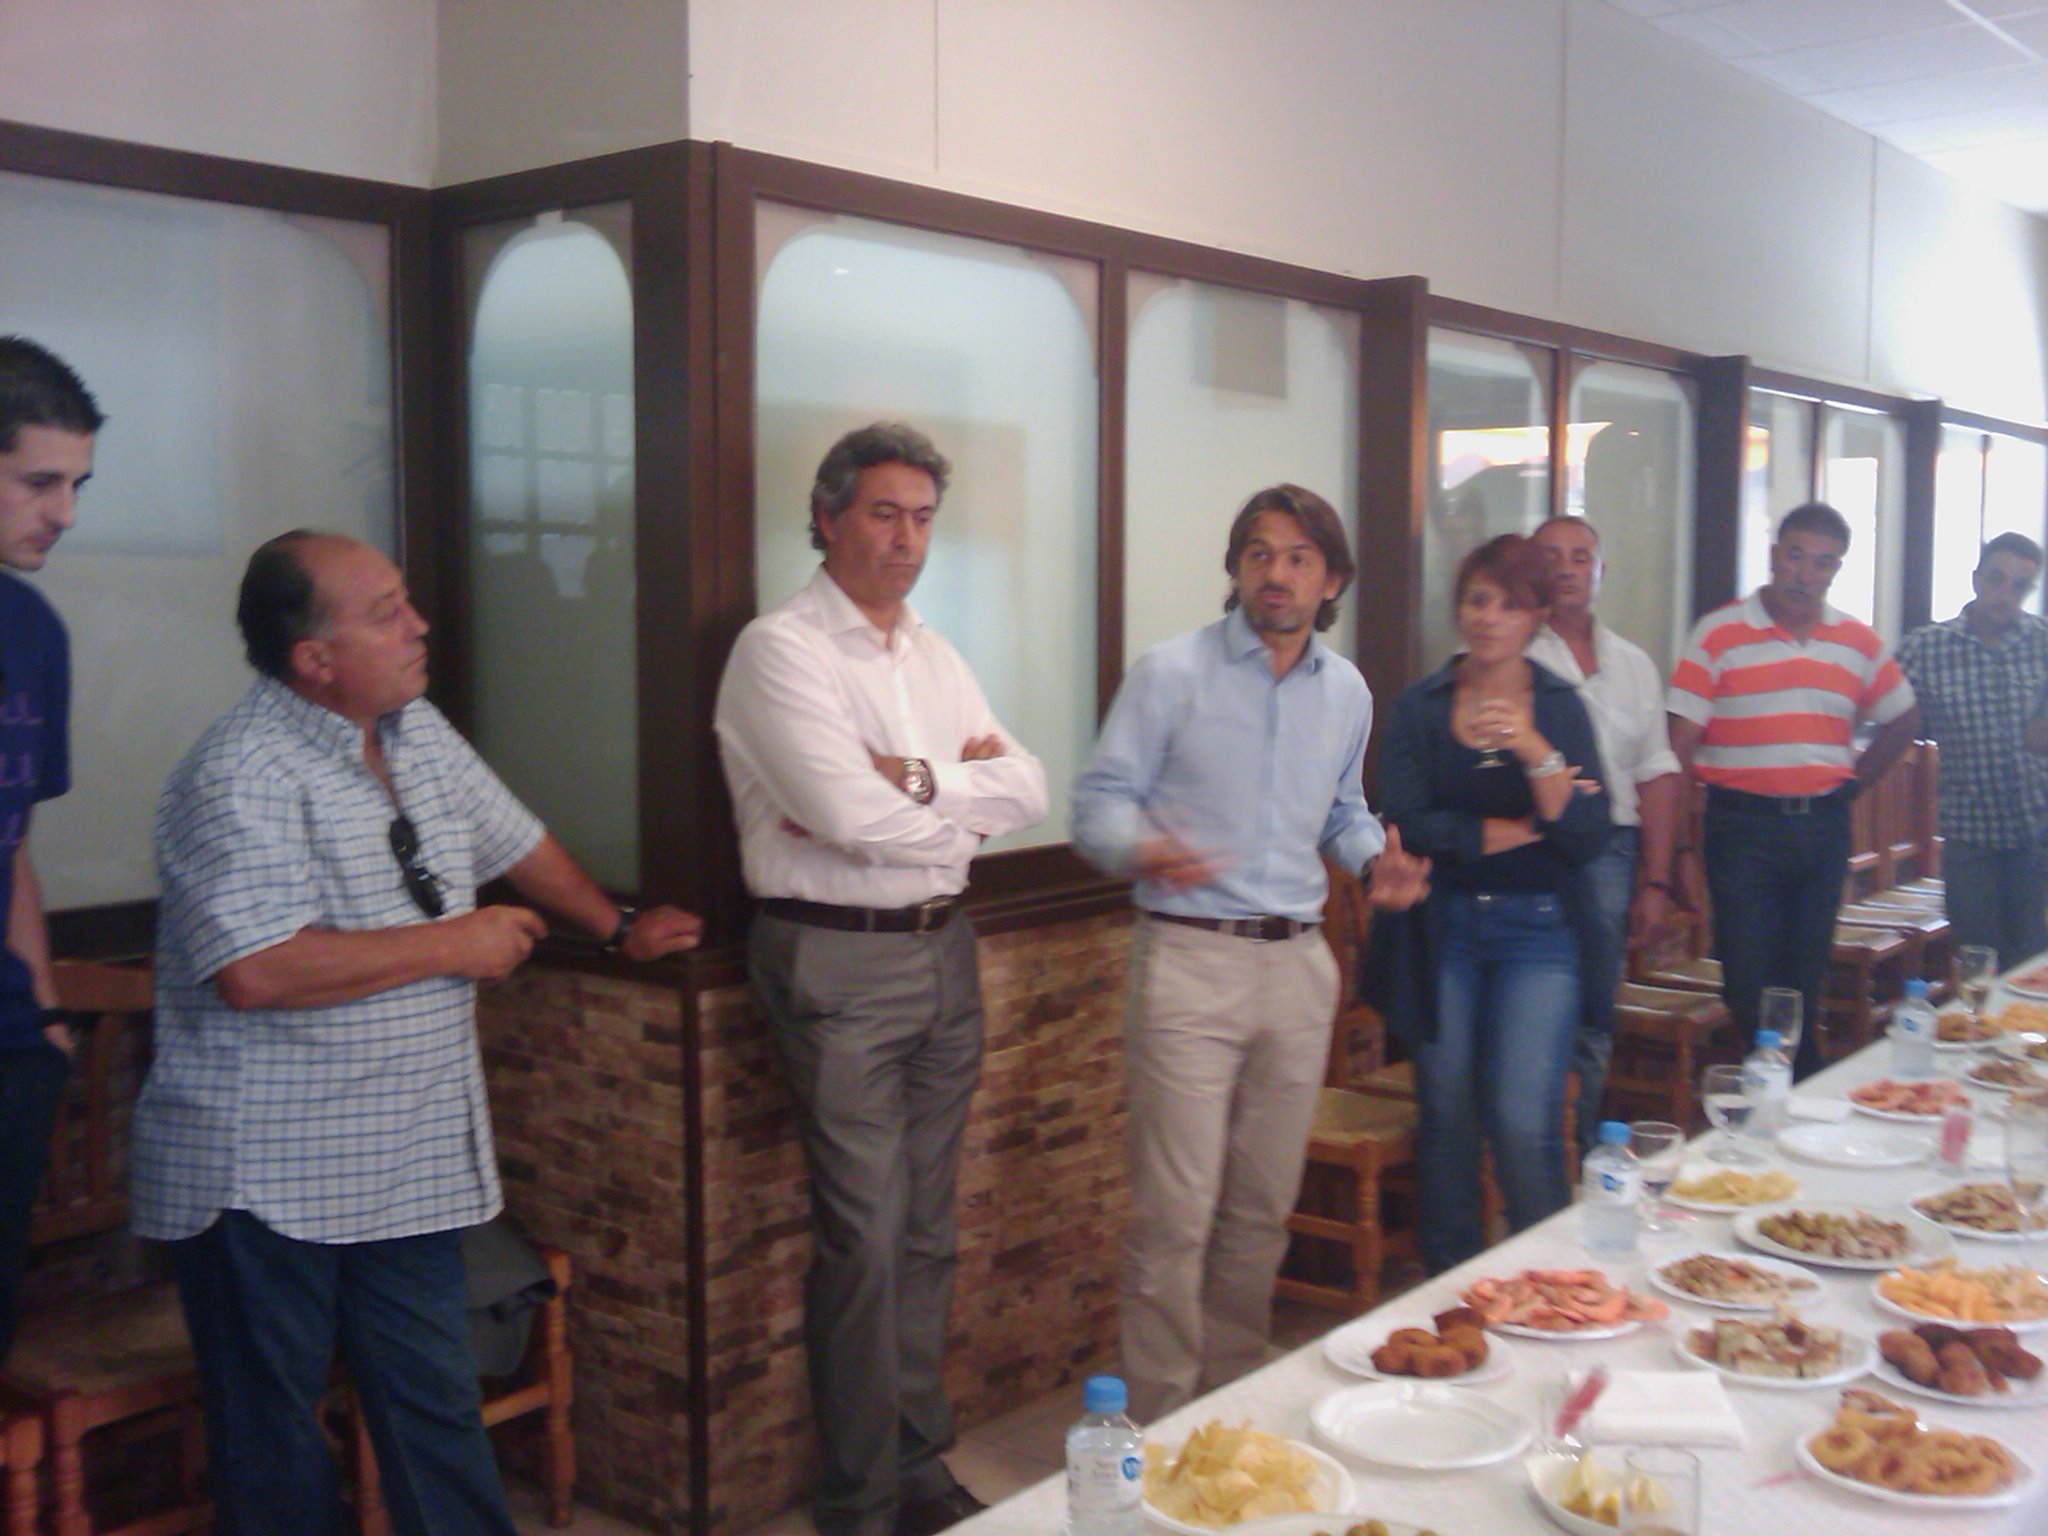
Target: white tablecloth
x=1737, y=1501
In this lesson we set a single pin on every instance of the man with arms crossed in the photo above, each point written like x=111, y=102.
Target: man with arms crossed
x=1230, y=760
x=1624, y=696
x=313, y=1133
x=47, y=422
x=1980, y=678
x=1764, y=705
x=866, y=768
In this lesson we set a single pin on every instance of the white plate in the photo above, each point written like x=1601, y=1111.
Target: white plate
x=1809, y=1288
x=1971, y=1080
x=2023, y=988
x=1350, y=1348
x=2018, y=1489
x=1547, y=1472
x=1721, y=1207
x=1884, y=1303
x=1925, y=1241
x=1850, y=1145
x=2024, y=1394
x=1419, y=1425
x=1627, y=1325
x=1973, y=1232
x=1324, y=1525
x=1332, y=1488
x=2017, y=1047
x=1858, y=1355
x=1899, y=1116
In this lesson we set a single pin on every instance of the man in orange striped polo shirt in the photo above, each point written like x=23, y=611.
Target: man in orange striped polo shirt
x=1764, y=706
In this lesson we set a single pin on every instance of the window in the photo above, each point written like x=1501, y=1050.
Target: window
x=1862, y=476
x=1958, y=518
x=1777, y=475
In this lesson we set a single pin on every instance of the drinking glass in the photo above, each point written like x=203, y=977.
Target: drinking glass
x=1728, y=1107
x=1781, y=1008
x=1660, y=1492
x=1659, y=1147
x=1976, y=969
x=2026, y=1163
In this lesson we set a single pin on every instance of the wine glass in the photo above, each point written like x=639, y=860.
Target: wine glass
x=1976, y=969
x=1729, y=1108
x=1780, y=1008
x=1659, y=1147
x=2026, y=1162
x=1490, y=756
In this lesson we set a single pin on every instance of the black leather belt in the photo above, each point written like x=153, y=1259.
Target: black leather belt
x=925, y=917
x=1784, y=805
x=1266, y=930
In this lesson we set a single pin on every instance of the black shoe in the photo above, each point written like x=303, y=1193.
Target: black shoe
x=927, y=1517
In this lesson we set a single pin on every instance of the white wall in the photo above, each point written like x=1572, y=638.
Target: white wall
x=325, y=85
x=1554, y=157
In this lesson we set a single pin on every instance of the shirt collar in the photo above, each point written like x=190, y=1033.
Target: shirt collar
x=1757, y=615
x=321, y=726
x=838, y=614
x=1241, y=642
x=1960, y=625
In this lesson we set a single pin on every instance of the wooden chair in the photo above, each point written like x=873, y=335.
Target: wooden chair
x=544, y=1384
x=114, y=1360
x=21, y=1452
x=1360, y=1148
x=1866, y=968
x=1663, y=1038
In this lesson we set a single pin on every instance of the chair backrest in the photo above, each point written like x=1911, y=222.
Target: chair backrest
x=85, y=1187
x=1357, y=1034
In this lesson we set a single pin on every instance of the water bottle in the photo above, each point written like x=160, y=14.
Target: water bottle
x=1609, y=1184
x=1105, y=1464
x=1767, y=1084
x=1912, y=1032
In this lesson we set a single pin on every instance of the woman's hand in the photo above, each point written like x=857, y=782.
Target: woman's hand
x=1508, y=725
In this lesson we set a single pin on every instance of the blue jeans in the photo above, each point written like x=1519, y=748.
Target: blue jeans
x=1613, y=878
x=1996, y=897
x=266, y=1312
x=31, y=1088
x=1776, y=883
x=1507, y=1010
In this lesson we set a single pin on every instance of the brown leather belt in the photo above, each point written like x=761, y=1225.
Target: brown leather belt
x=925, y=917
x=1265, y=930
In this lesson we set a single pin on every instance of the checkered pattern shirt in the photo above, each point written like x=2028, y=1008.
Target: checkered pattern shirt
x=1974, y=701
x=350, y=1123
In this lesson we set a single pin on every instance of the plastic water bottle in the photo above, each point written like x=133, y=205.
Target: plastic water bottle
x=1609, y=1185
x=1105, y=1464
x=1767, y=1084
x=1912, y=1032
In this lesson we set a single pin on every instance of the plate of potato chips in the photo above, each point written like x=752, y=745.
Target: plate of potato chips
x=1228, y=1475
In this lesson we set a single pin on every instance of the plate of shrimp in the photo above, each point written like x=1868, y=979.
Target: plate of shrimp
x=1561, y=1304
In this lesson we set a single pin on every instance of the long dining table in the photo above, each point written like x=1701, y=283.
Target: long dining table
x=1756, y=1490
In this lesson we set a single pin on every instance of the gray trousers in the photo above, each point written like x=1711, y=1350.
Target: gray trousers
x=1996, y=897
x=1226, y=1042
x=880, y=1038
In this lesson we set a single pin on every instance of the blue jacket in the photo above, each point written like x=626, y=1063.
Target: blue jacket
x=1418, y=754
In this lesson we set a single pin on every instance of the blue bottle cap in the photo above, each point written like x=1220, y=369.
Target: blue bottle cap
x=1613, y=1132
x=1767, y=1039
x=1104, y=1394
x=1916, y=987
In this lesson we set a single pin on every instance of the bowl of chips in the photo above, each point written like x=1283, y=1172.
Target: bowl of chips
x=1225, y=1475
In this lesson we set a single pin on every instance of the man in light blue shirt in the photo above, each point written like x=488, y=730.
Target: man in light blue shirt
x=1229, y=765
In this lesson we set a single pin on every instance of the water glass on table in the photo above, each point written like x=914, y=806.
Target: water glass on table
x=1976, y=970
x=1659, y=1147
x=1782, y=1009
x=1660, y=1492
x=1728, y=1107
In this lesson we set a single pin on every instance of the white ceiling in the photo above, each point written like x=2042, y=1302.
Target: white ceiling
x=1963, y=84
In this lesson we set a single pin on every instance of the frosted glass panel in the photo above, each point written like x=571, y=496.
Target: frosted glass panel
x=990, y=351
x=1862, y=476
x=1229, y=392
x=1630, y=467
x=1958, y=518
x=243, y=359
x=551, y=525
x=1489, y=450
x=2016, y=493
x=1777, y=475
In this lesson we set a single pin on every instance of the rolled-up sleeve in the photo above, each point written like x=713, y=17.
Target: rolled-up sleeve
x=991, y=796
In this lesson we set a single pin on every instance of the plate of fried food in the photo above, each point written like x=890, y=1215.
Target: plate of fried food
x=1986, y=1211
x=1326, y=1525
x=1780, y=1351
x=1737, y=1281
x=2001, y=1074
x=2008, y=1296
x=1584, y=1493
x=1843, y=1236
x=1958, y=1029
x=1423, y=1426
x=1561, y=1304
x=1451, y=1347
x=1975, y=1367
x=1919, y=1101
x=1228, y=1475
x=1702, y=1187
x=1880, y=1449
x=2023, y=1017
x=2032, y=982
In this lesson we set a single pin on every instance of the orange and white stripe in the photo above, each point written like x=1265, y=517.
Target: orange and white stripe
x=1780, y=714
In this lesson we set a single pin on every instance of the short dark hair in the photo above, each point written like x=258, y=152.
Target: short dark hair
x=1566, y=520
x=39, y=389
x=1816, y=517
x=1512, y=563
x=2015, y=544
x=886, y=442
x=279, y=605
x=1318, y=519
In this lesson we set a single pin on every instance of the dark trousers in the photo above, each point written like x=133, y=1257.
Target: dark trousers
x=880, y=1038
x=1996, y=897
x=1776, y=883
x=266, y=1313
x=1613, y=879
x=31, y=1087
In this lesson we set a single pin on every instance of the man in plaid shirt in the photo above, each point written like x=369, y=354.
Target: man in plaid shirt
x=313, y=1134
x=1980, y=678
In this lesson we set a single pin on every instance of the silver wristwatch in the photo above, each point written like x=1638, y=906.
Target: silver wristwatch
x=917, y=780
x=1544, y=767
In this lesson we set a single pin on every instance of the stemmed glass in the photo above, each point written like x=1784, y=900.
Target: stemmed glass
x=1780, y=1008
x=1976, y=969
x=1728, y=1107
x=1489, y=756
x=2026, y=1163
x=1659, y=1147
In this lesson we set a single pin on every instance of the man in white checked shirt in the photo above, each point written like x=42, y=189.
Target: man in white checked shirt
x=313, y=1133
x=866, y=768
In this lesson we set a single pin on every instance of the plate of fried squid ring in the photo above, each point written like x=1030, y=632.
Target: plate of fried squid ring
x=1881, y=1449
